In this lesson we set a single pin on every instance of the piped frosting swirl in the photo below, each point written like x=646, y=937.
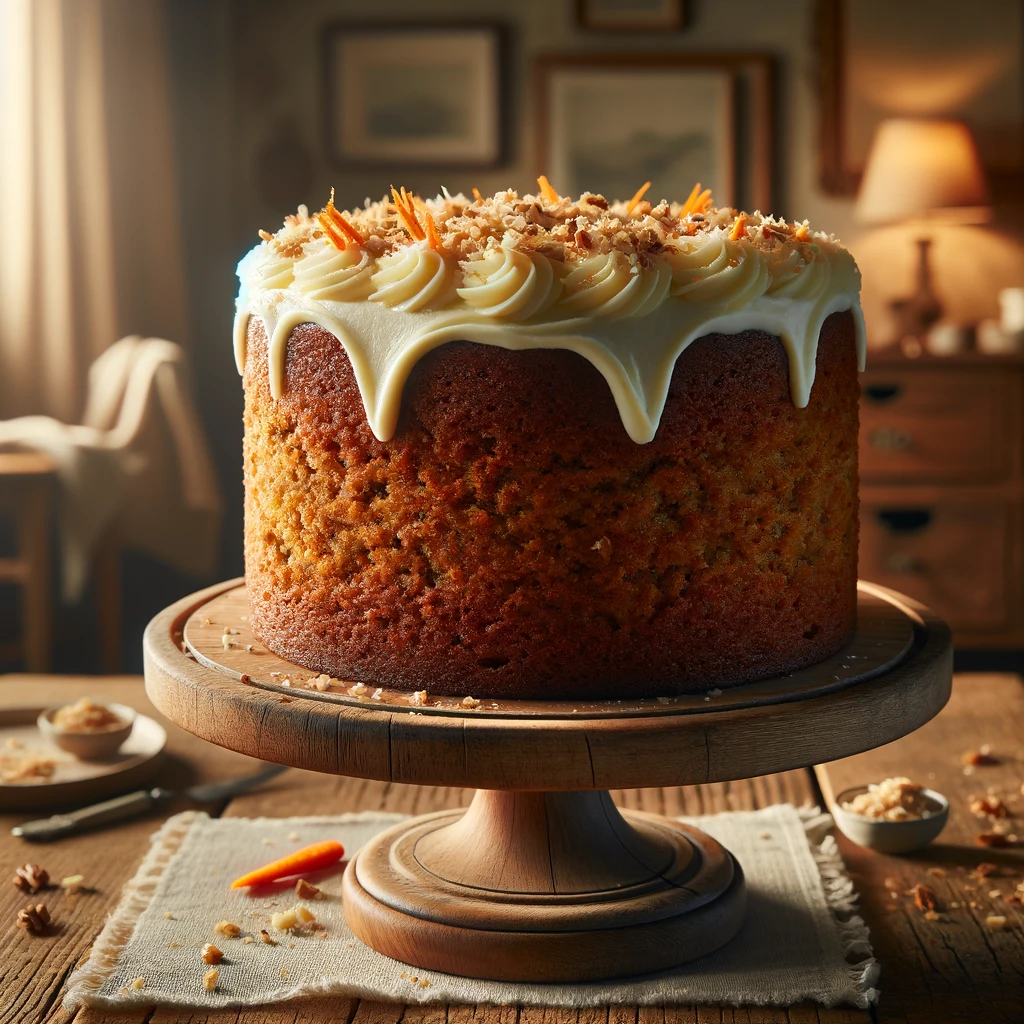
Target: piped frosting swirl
x=400, y=276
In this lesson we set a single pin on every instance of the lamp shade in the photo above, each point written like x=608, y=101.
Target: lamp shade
x=922, y=168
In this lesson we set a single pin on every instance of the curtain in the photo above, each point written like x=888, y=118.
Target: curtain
x=88, y=194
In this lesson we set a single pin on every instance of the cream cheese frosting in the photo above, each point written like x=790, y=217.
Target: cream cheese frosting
x=628, y=286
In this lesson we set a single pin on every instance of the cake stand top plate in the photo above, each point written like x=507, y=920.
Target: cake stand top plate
x=206, y=672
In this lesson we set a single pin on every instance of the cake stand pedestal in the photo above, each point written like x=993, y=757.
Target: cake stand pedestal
x=542, y=878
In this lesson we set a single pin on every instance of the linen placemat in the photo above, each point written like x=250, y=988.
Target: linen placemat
x=801, y=939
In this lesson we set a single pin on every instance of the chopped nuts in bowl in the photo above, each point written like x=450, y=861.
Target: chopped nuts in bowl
x=90, y=730
x=893, y=816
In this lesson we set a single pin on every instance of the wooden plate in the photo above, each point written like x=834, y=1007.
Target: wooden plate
x=900, y=676
x=76, y=782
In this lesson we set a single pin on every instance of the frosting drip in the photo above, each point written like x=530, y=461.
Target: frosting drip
x=548, y=280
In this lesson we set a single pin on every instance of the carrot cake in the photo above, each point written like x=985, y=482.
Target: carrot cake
x=548, y=447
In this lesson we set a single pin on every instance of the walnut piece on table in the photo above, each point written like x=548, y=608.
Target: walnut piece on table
x=35, y=918
x=925, y=898
x=211, y=954
x=31, y=878
x=305, y=891
x=210, y=979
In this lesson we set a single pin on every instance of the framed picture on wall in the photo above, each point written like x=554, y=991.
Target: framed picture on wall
x=631, y=15
x=914, y=58
x=414, y=95
x=608, y=122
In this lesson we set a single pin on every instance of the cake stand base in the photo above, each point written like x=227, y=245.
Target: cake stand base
x=542, y=879
x=543, y=887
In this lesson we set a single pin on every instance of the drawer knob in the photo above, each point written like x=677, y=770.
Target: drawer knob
x=904, y=520
x=881, y=393
x=890, y=439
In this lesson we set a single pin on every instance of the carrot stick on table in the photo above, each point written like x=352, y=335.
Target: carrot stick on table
x=311, y=858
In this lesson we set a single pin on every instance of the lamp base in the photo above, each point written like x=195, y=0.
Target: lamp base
x=918, y=313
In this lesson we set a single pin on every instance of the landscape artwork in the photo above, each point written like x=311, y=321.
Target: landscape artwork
x=669, y=127
x=393, y=98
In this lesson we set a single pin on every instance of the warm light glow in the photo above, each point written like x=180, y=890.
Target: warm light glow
x=922, y=168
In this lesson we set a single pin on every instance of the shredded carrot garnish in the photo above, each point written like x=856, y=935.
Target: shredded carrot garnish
x=403, y=204
x=476, y=195
x=546, y=190
x=635, y=201
x=336, y=238
x=433, y=239
x=703, y=203
x=739, y=228
x=336, y=227
x=690, y=200
x=348, y=229
x=801, y=232
x=312, y=858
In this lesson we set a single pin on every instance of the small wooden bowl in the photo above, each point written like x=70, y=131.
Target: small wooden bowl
x=96, y=745
x=891, y=836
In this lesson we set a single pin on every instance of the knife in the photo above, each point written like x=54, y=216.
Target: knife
x=131, y=805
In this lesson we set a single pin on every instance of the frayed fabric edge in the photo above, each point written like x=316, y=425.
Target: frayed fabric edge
x=841, y=897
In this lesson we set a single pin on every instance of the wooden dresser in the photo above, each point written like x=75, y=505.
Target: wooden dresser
x=942, y=488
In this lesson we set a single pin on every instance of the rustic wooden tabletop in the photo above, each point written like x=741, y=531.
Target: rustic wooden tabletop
x=956, y=968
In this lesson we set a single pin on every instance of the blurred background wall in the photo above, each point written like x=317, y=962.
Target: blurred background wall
x=249, y=124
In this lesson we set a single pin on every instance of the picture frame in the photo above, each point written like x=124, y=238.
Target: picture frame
x=632, y=15
x=706, y=117
x=419, y=95
x=879, y=59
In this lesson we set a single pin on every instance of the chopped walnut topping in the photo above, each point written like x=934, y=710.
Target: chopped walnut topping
x=284, y=920
x=988, y=806
x=545, y=222
x=996, y=922
x=305, y=891
x=979, y=757
x=210, y=979
x=925, y=898
x=86, y=716
x=419, y=697
x=265, y=936
x=470, y=702
x=995, y=839
x=73, y=884
x=227, y=929
x=138, y=985
x=34, y=918
x=31, y=878
x=211, y=954
x=895, y=799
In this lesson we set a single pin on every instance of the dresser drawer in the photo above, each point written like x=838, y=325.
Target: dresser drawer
x=953, y=556
x=937, y=425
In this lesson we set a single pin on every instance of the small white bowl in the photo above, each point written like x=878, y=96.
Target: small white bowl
x=96, y=745
x=891, y=836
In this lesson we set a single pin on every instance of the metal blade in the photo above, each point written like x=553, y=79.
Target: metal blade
x=213, y=791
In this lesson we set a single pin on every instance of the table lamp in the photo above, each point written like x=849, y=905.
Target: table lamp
x=924, y=170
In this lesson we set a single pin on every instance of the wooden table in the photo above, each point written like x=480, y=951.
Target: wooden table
x=952, y=970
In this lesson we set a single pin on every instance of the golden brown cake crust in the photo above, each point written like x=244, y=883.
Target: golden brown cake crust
x=511, y=540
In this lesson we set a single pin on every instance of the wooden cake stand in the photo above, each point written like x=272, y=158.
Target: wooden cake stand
x=542, y=878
